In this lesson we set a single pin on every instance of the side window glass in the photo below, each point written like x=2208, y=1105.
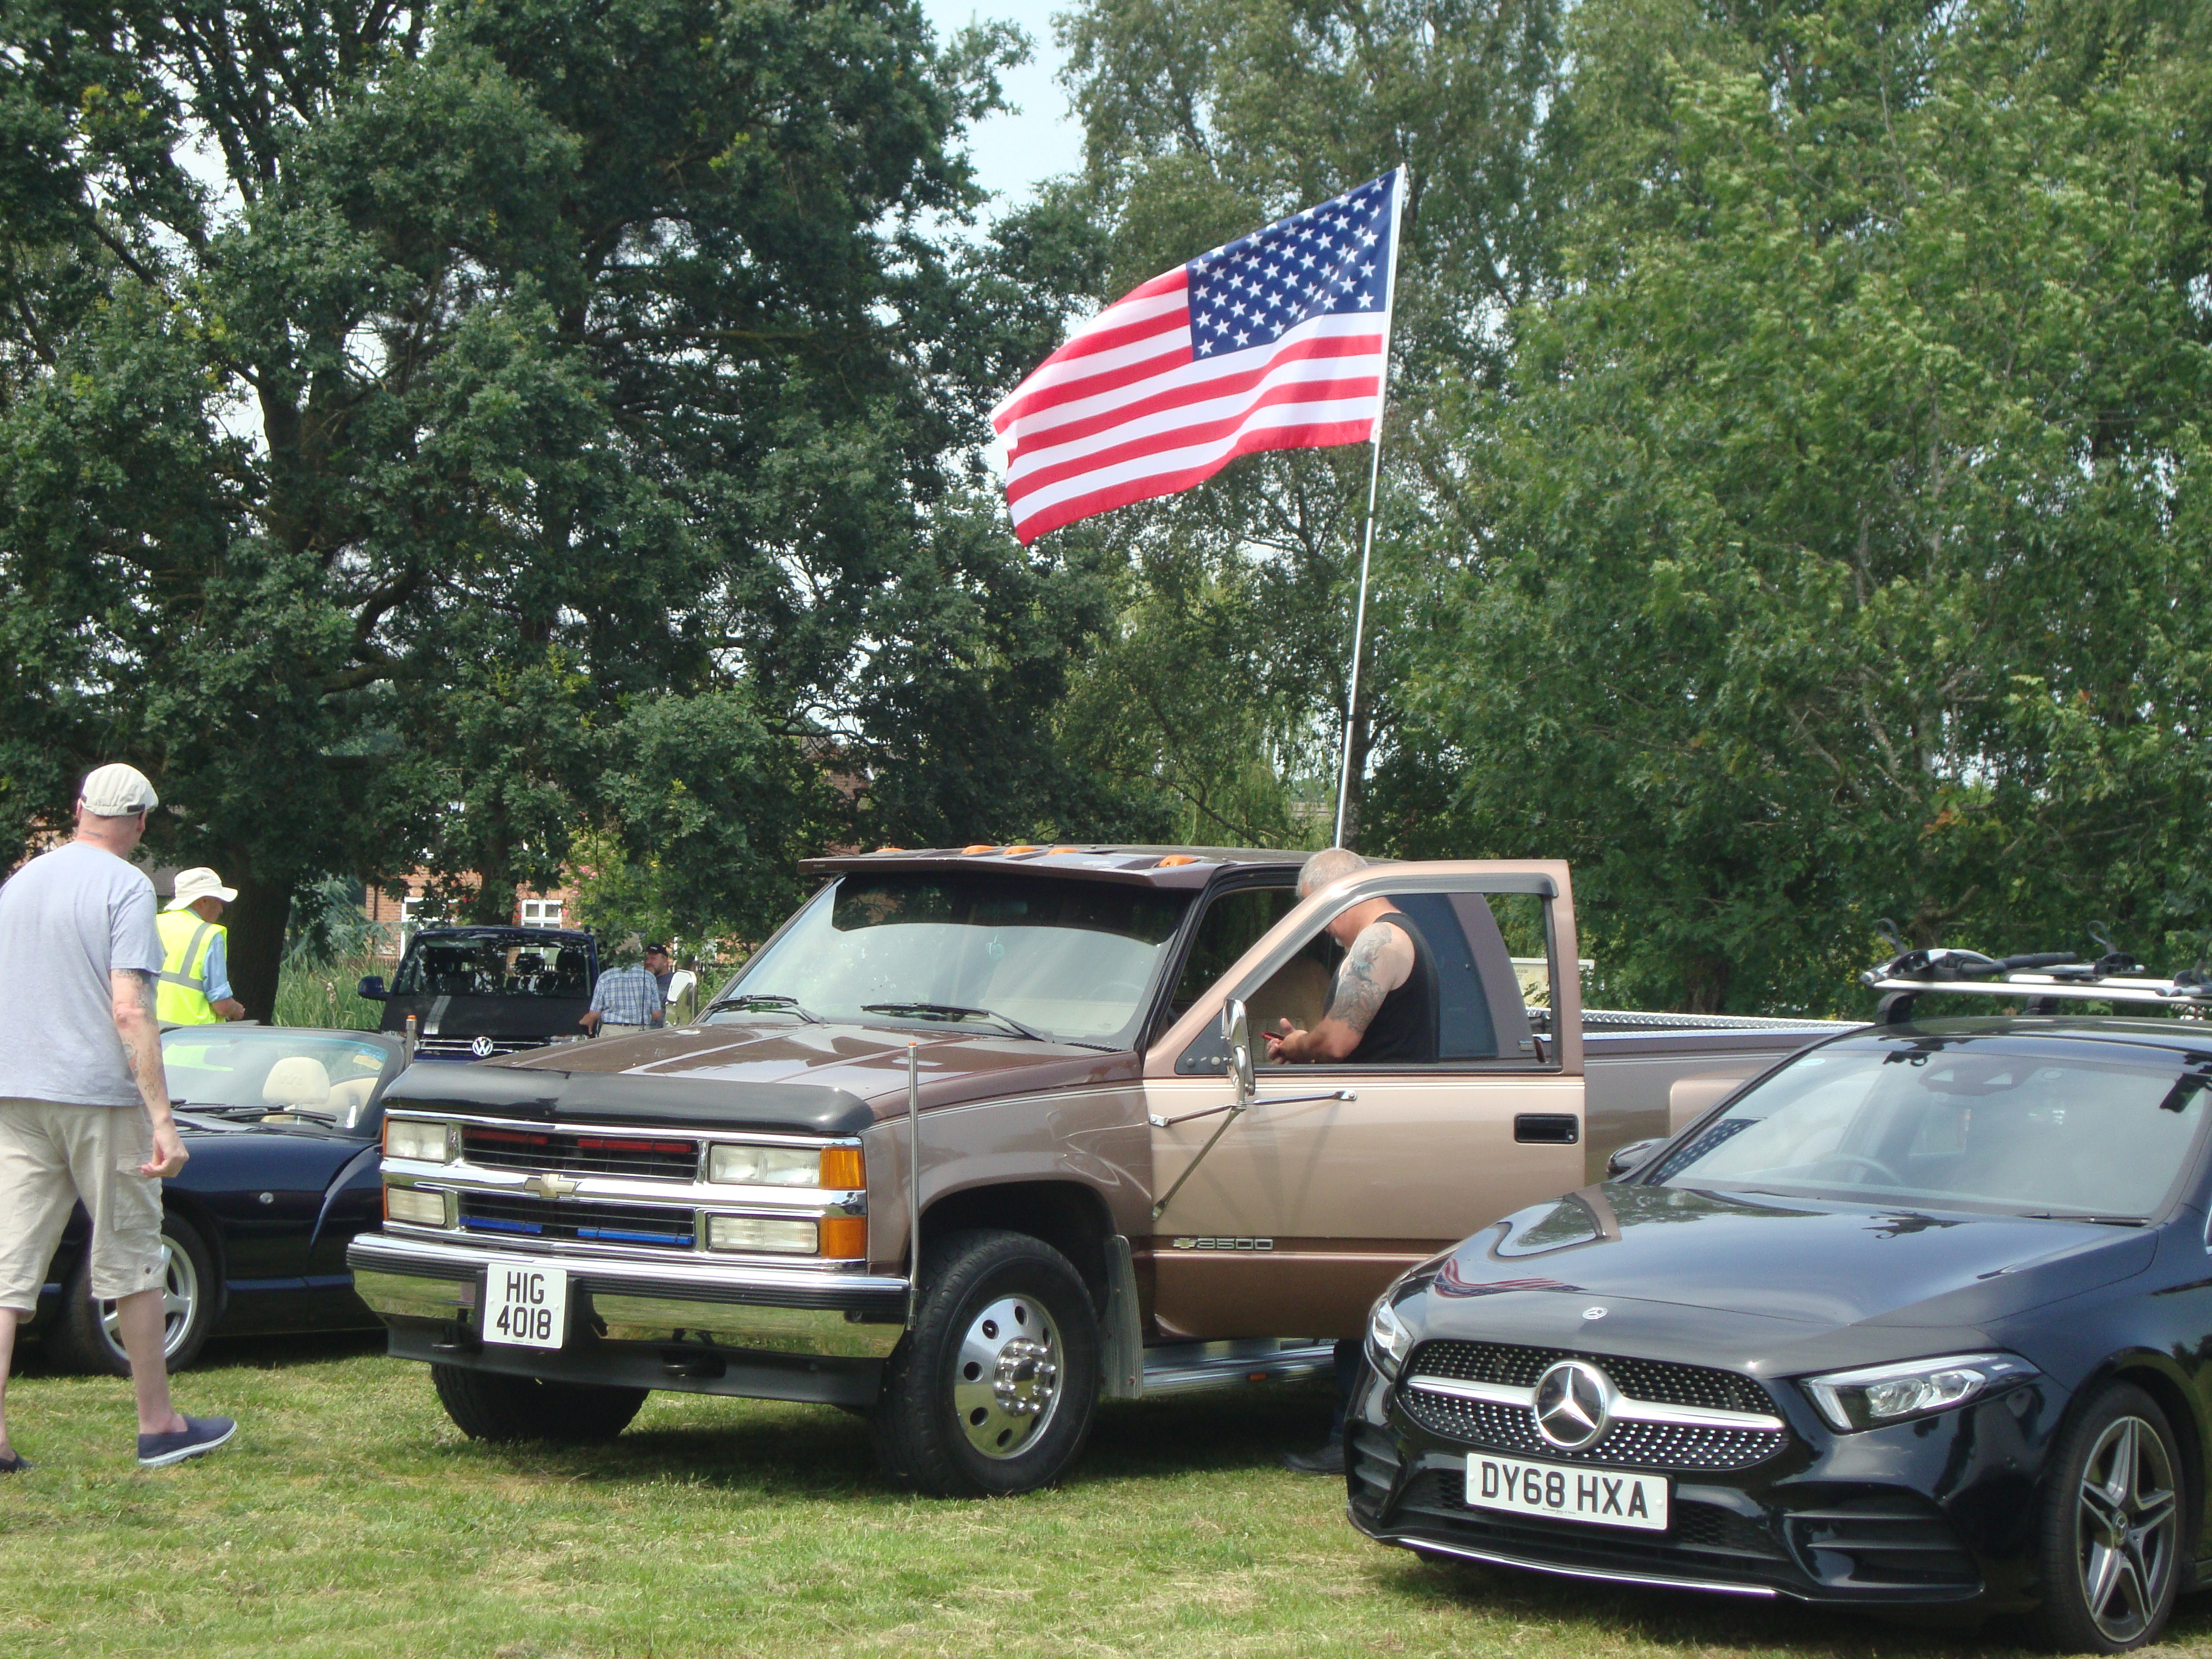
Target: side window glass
x=1232, y=924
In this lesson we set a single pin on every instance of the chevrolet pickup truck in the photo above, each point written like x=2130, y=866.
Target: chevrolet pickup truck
x=975, y=1141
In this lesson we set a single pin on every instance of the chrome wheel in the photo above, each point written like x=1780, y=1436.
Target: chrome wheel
x=180, y=1299
x=2126, y=1525
x=1005, y=1380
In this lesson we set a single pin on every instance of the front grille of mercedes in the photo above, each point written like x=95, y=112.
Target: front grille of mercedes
x=672, y=1158
x=1512, y=1429
x=1655, y=1379
x=517, y=1217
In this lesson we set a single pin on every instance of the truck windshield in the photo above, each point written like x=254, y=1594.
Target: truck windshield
x=1072, y=960
x=2094, y=1130
x=489, y=965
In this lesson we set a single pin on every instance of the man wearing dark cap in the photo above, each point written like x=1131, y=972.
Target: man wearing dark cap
x=84, y=1104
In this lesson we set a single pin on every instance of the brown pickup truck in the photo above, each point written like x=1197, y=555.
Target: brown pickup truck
x=1108, y=1200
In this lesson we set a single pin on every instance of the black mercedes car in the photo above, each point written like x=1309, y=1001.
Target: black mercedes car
x=284, y=1127
x=1921, y=1316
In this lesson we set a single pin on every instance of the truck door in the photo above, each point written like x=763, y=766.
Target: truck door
x=1301, y=1213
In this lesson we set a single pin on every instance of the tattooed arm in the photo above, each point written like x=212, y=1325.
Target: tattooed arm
x=132, y=1000
x=1380, y=961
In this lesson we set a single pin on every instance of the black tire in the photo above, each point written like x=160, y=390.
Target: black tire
x=930, y=1431
x=84, y=1340
x=2096, y=1600
x=492, y=1405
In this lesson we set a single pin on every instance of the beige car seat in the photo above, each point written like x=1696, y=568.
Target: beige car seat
x=296, y=1080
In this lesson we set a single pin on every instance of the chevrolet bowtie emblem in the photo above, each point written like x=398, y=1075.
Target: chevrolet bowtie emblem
x=556, y=1186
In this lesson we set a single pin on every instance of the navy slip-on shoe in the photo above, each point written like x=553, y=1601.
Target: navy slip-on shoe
x=15, y=1463
x=200, y=1435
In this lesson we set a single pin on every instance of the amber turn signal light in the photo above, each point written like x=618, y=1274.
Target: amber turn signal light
x=981, y=846
x=845, y=1238
x=844, y=1169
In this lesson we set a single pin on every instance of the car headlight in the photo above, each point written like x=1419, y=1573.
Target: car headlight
x=835, y=1167
x=411, y=1138
x=415, y=1206
x=1388, y=1342
x=759, y=1233
x=1878, y=1396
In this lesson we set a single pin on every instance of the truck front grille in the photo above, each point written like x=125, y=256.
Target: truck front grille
x=673, y=1158
x=591, y=1224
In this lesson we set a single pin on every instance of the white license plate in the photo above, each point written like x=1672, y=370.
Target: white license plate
x=525, y=1304
x=1605, y=1497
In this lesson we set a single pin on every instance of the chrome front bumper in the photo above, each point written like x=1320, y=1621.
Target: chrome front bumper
x=836, y=1314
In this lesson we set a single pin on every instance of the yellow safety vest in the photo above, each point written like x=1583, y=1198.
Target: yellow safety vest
x=182, y=997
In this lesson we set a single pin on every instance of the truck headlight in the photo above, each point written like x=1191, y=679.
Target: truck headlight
x=1878, y=1396
x=412, y=1137
x=752, y=1232
x=837, y=1167
x=414, y=1205
x=1388, y=1341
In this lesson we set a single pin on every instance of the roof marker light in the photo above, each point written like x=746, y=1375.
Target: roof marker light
x=1012, y=851
x=980, y=847
x=1049, y=851
x=1173, y=859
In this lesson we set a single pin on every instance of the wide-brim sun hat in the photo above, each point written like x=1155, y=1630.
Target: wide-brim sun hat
x=199, y=884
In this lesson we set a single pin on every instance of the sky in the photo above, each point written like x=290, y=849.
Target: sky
x=1013, y=153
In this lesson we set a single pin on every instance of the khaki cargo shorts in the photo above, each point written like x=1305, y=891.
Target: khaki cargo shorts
x=51, y=1153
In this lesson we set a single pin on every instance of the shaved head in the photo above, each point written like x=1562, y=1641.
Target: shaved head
x=1325, y=865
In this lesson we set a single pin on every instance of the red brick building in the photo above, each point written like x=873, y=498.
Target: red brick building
x=402, y=906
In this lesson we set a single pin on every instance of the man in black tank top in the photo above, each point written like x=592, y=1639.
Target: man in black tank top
x=1382, y=1010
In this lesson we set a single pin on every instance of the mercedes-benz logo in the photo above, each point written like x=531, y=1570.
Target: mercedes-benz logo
x=1574, y=1403
x=483, y=1048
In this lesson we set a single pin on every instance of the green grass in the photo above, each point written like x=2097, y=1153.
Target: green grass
x=351, y=1518
x=323, y=994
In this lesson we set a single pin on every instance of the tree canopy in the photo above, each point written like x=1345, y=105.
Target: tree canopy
x=400, y=405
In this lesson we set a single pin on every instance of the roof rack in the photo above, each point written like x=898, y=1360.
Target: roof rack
x=2045, y=980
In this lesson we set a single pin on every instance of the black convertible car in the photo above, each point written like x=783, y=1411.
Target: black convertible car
x=1921, y=1316
x=283, y=1127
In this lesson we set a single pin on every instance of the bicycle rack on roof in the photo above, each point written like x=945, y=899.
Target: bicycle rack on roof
x=2046, y=980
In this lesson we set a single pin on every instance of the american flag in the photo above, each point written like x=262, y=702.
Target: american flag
x=1281, y=340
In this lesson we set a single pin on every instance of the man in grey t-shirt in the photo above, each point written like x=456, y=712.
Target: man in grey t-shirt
x=84, y=1104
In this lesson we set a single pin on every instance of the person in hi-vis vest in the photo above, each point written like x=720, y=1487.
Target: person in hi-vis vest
x=195, y=983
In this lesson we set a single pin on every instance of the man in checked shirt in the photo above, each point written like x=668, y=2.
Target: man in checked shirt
x=627, y=999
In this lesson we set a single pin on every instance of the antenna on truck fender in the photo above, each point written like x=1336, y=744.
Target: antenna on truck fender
x=913, y=1181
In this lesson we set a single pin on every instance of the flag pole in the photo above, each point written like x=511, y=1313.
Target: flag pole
x=1367, y=537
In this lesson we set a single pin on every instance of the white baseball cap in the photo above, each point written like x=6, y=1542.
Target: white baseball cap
x=117, y=791
x=203, y=882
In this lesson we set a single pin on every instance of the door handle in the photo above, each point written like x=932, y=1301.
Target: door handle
x=1548, y=1128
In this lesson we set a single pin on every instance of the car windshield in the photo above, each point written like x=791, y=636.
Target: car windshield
x=1070, y=960
x=2025, y=1128
x=494, y=965
x=314, y=1074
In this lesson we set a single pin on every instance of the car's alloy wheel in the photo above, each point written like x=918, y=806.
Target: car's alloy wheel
x=90, y=1337
x=180, y=1300
x=2126, y=1523
x=2112, y=1526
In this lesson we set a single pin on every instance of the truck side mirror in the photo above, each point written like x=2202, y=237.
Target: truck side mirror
x=1236, y=1033
x=372, y=988
x=1627, y=1158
